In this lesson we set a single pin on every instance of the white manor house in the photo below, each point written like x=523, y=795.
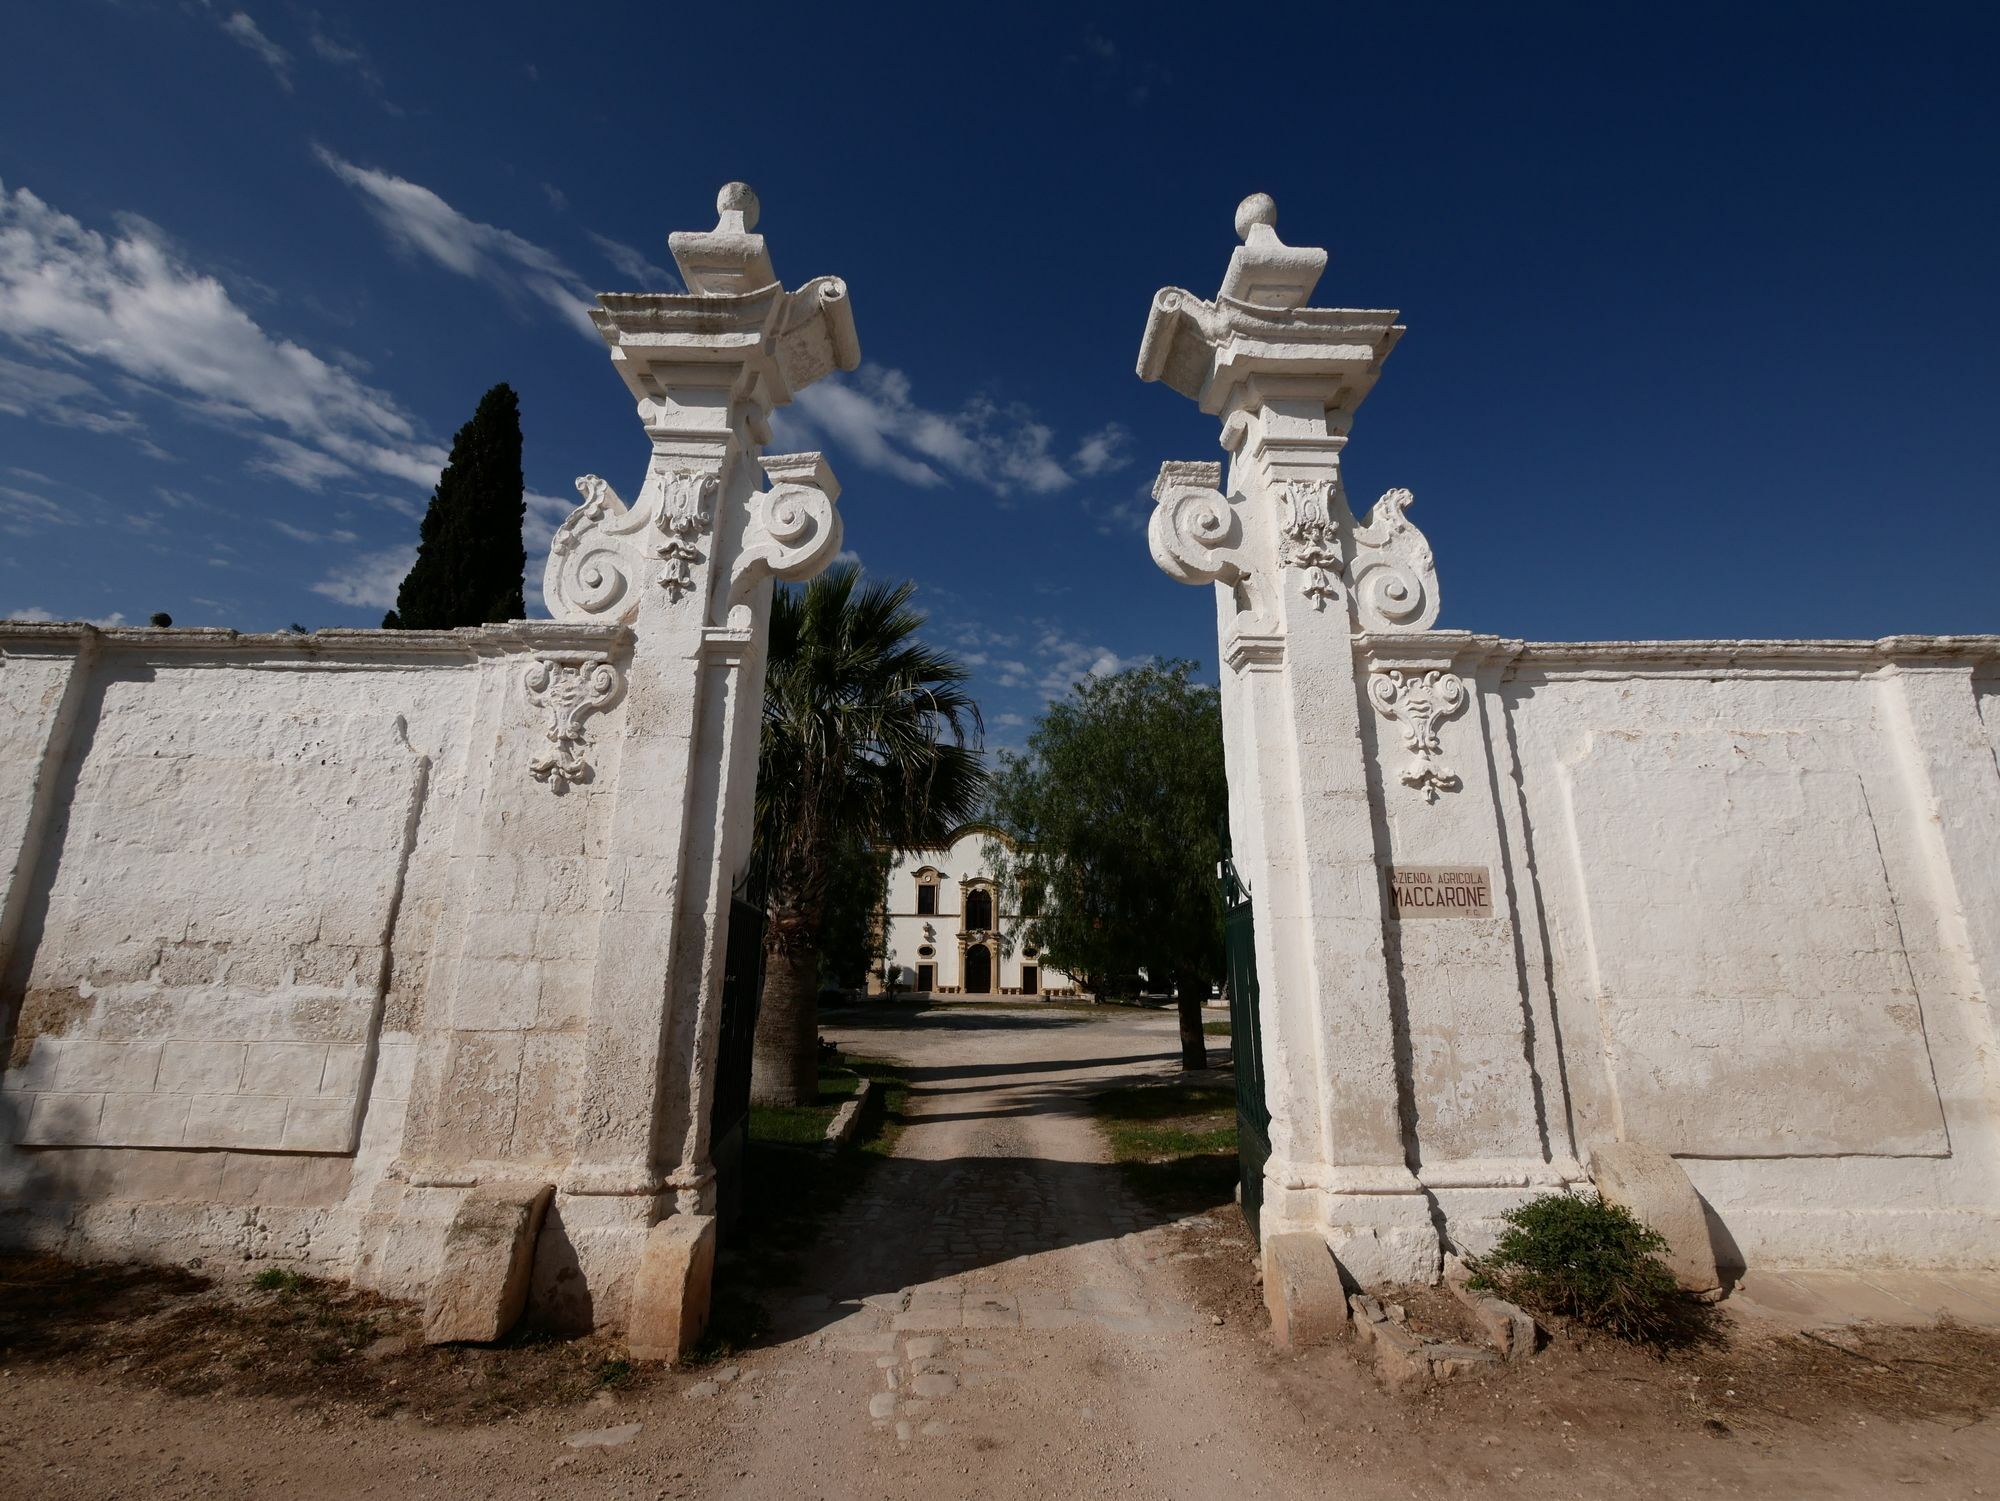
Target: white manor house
x=950, y=928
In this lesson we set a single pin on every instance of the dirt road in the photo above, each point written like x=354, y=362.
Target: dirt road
x=996, y=1316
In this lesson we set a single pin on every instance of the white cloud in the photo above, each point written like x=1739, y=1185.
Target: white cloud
x=369, y=580
x=61, y=397
x=1065, y=661
x=1050, y=662
x=23, y=512
x=245, y=31
x=1102, y=451
x=306, y=534
x=1121, y=516
x=873, y=417
x=633, y=265
x=538, y=525
x=35, y=615
x=421, y=223
x=131, y=304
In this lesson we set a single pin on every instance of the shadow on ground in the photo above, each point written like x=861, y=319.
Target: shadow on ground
x=823, y=1232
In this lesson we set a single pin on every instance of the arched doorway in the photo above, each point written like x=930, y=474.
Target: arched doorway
x=979, y=970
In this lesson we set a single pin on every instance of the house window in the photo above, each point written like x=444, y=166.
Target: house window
x=979, y=910
x=1031, y=978
x=926, y=952
x=927, y=899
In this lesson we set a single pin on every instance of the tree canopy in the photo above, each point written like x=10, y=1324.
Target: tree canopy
x=1118, y=805
x=469, y=552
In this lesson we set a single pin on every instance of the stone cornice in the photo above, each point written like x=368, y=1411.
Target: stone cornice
x=1552, y=659
x=347, y=646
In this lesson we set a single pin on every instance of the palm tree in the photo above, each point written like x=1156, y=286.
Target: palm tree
x=864, y=742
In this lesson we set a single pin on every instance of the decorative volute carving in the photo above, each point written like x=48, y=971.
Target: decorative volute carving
x=1195, y=533
x=793, y=530
x=706, y=367
x=1394, y=583
x=1285, y=378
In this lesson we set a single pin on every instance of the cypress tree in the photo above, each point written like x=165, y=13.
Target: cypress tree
x=469, y=552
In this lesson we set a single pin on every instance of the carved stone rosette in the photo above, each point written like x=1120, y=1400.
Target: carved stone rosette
x=570, y=686
x=1421, y=703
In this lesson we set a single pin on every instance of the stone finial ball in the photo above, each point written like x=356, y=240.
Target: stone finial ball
x=1258, y=208
x=736, y=198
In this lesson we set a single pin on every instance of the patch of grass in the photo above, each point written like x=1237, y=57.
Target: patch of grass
x=1176, y=1143
x=615, y=1374
x=277, y=1279
x=1216, y=1029
x=802, y=1125
x=1573, y=1256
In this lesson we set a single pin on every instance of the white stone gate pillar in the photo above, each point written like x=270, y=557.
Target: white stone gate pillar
x=687, y=568
x=690, y=566
x=1295, y=578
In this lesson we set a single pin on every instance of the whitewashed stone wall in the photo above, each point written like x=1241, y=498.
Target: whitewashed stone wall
x=1738, y=893
x=235, y=868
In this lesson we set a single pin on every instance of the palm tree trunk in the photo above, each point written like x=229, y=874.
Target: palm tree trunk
x=784, y=1060
x=1194, y=1050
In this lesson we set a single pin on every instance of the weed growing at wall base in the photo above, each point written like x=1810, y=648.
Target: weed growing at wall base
x=1571, y=1256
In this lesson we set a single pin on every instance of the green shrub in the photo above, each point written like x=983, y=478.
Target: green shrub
x=277, y=1279
x=1575, y=1257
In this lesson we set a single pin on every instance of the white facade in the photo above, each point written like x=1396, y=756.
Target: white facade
x=950, y=928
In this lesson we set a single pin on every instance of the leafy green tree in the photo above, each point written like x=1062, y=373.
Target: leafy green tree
x=864, y=744
x=469, y=552
x=1118, y=807
x=851, y=928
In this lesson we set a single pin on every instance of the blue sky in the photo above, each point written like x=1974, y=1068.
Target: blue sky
x=1703, y=303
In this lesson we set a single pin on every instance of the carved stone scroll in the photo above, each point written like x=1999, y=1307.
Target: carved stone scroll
x=1195, y=533
x=1421, y=703
x=793, y=529
x=570, y=686
x=599, y=549
x=1393, y=575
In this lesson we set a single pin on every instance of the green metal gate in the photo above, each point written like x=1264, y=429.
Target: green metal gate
x=1246, y=1042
